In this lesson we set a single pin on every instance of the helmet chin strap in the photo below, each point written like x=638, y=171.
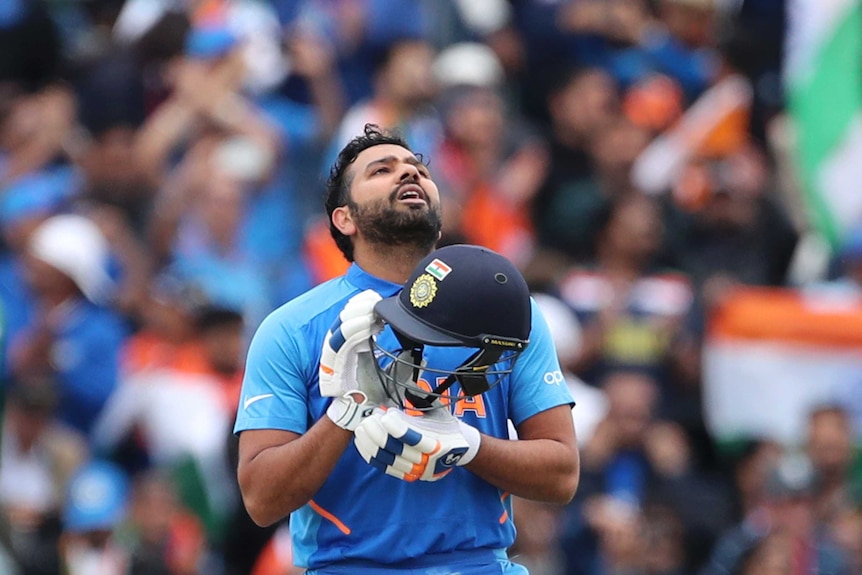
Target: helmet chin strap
x=401, y=377
x=471, y=377
x=419, y=398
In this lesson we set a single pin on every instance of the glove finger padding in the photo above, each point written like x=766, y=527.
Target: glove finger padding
x=433, y=443
x=348, y=336
x=348, y=370
x=385, y=453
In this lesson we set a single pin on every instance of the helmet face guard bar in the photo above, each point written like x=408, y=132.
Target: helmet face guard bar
x=493, y=359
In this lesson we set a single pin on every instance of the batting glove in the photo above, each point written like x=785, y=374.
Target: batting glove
x=347, y=366
x=423, y=448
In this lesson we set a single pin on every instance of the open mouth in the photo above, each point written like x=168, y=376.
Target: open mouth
x=411, y=194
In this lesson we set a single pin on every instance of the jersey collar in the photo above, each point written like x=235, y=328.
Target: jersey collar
x=363, y=280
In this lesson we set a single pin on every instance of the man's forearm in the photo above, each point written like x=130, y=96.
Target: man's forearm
x=539, y=469
x=278, y=478
x=543, y=465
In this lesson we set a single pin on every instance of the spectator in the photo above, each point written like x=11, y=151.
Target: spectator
x=34, y=130
x=846, y=529
x=539, y=526
x=110, y=97
x=163, y=538
x=633, y=313
x=750, y=474
x=191, y=133
x=72, y=332
x=725, y=226
x=636, y=463
x=24, y=205
x=203, y=223
x=96, y=506
x=207, y=95
x=567, y=205
x=632, y=43
x=490, y=162
x=404, y=89
x=829, y=446
x=37, y=459
x=263, y=147
x=180, y=406
x=665, y=538
x=614, y=151
x=788, y=516
x=615, y=477
x=566, y=333
x=358, y=32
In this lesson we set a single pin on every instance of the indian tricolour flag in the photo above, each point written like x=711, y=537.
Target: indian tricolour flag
x=823, y=80
x=771, y=355
x=438, y=269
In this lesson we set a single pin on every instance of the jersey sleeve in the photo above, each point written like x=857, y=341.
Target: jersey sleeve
x=274, y=390
x=537, y=382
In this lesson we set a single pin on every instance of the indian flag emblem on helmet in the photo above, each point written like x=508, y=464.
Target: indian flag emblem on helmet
x=438, y=269
x=423, y=291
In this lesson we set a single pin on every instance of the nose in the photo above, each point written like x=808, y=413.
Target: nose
x=409, y=172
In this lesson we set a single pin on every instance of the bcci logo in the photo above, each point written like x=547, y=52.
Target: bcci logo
x=423, y=291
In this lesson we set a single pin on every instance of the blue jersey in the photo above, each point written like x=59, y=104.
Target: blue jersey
x=360, y=516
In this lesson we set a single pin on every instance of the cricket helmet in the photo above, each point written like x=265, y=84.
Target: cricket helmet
x=458, y=296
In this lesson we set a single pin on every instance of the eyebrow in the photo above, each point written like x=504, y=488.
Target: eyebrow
x=413, y=160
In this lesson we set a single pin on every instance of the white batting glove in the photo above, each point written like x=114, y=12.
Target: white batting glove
x=347, y=366
x=424, y=448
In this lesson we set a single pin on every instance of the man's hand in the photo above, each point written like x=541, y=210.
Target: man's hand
x=424, y=448
x=347, y=365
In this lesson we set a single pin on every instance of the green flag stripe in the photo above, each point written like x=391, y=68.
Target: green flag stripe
x=824, y=107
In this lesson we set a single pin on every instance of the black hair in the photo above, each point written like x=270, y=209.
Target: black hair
x=338, y=184
x=165, y=40
x=211, y=316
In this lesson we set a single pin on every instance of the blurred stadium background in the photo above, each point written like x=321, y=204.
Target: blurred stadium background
x=679, y=180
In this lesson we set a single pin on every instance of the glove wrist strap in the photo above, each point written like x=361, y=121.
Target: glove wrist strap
x=473, y=439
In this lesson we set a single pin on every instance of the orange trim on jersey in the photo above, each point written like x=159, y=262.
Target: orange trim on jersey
x=327, y=515
x=326, y=369
x=505, y=514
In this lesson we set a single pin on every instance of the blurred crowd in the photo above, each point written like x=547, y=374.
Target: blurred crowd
x=161, y=177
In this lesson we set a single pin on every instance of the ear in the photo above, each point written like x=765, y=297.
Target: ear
x=343, y=221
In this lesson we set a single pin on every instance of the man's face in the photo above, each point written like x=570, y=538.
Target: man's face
x=586, y=104
x=830, y=444
x=393, y=199
x=407, y=75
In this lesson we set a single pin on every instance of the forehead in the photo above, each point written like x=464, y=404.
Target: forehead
x=380, y=152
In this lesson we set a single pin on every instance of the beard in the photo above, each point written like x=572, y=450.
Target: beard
x=380, y=222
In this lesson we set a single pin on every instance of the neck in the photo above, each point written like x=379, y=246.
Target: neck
x=390, y=263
